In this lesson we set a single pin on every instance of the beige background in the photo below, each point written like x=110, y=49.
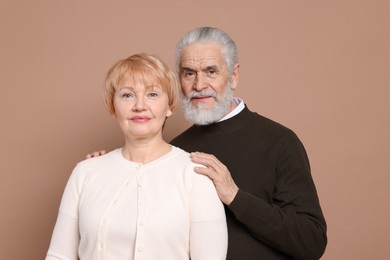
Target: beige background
x=321, y=68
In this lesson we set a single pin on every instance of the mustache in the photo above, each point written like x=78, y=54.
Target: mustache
x=194, y=94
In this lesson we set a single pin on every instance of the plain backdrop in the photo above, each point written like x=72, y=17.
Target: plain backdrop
x=322, y=68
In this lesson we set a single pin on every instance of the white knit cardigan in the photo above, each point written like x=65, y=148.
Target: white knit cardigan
x=116, y=209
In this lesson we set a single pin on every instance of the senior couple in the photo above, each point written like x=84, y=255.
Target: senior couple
x=235, y=185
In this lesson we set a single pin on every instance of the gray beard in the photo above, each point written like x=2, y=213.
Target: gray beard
x=201, y=116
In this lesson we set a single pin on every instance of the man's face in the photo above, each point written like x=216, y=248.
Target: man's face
x=206, y=83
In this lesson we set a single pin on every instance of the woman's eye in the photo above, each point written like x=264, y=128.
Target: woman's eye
x=152, y=94
x=126, y=95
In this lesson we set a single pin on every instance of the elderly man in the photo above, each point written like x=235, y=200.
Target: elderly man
x=262, y=173
x=260, y=168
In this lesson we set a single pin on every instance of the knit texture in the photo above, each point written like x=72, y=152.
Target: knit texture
x=276, y=213
x=114, y=209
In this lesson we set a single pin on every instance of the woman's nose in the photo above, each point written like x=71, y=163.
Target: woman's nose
x=139, y=104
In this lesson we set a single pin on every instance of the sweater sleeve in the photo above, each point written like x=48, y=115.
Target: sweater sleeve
x=208, y=234
x=293, y=223
x=65, y=239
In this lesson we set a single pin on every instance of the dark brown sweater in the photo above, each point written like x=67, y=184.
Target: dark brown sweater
x=276, y=213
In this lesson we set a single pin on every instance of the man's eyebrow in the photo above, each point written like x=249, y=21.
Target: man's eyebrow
x=187, y=68
x=211, y=67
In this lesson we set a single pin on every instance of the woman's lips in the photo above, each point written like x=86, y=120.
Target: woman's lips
x=140, y=119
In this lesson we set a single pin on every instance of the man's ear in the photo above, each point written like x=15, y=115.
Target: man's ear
x=235, y=76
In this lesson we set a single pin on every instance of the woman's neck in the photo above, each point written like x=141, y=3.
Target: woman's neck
x=144, y=151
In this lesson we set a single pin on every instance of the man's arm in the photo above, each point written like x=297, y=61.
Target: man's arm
x=293, y=223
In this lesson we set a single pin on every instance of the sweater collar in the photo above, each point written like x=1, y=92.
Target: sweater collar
x=232, y=124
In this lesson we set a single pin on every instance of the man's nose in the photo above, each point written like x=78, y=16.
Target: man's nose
x=200, y=82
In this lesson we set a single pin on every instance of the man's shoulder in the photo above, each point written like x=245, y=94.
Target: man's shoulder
x=268, y=124
x=185, y=134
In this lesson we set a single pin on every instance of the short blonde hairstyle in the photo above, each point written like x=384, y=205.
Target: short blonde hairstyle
x=143, y=67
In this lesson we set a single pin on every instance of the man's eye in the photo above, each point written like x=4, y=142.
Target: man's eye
x=211, y=72
x=188, y=74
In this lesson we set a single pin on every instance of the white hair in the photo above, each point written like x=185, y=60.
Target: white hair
x=209, y=35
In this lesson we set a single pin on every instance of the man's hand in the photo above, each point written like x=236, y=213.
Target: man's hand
x=95, y=154
x=218, y=173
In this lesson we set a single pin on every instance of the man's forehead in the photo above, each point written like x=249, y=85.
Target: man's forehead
x=200, y=62
x=202, y=55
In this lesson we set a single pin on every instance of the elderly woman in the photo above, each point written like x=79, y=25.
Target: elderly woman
x=143, y=200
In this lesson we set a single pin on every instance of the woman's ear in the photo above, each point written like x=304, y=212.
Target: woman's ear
x=113, y=114
x=169, y=113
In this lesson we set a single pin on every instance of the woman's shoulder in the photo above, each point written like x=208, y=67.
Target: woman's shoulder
x=183, y=157
x=109, y=159
x=179, y=155
x=100, y=168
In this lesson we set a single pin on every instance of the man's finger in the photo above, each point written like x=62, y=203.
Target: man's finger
x=96, y=154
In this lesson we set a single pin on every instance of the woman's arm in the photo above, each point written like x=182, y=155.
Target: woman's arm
x=65, y=239
x=208, y=239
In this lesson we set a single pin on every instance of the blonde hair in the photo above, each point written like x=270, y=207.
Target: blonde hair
x=143, y=67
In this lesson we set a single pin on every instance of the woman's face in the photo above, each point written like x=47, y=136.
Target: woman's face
x=141, y=110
